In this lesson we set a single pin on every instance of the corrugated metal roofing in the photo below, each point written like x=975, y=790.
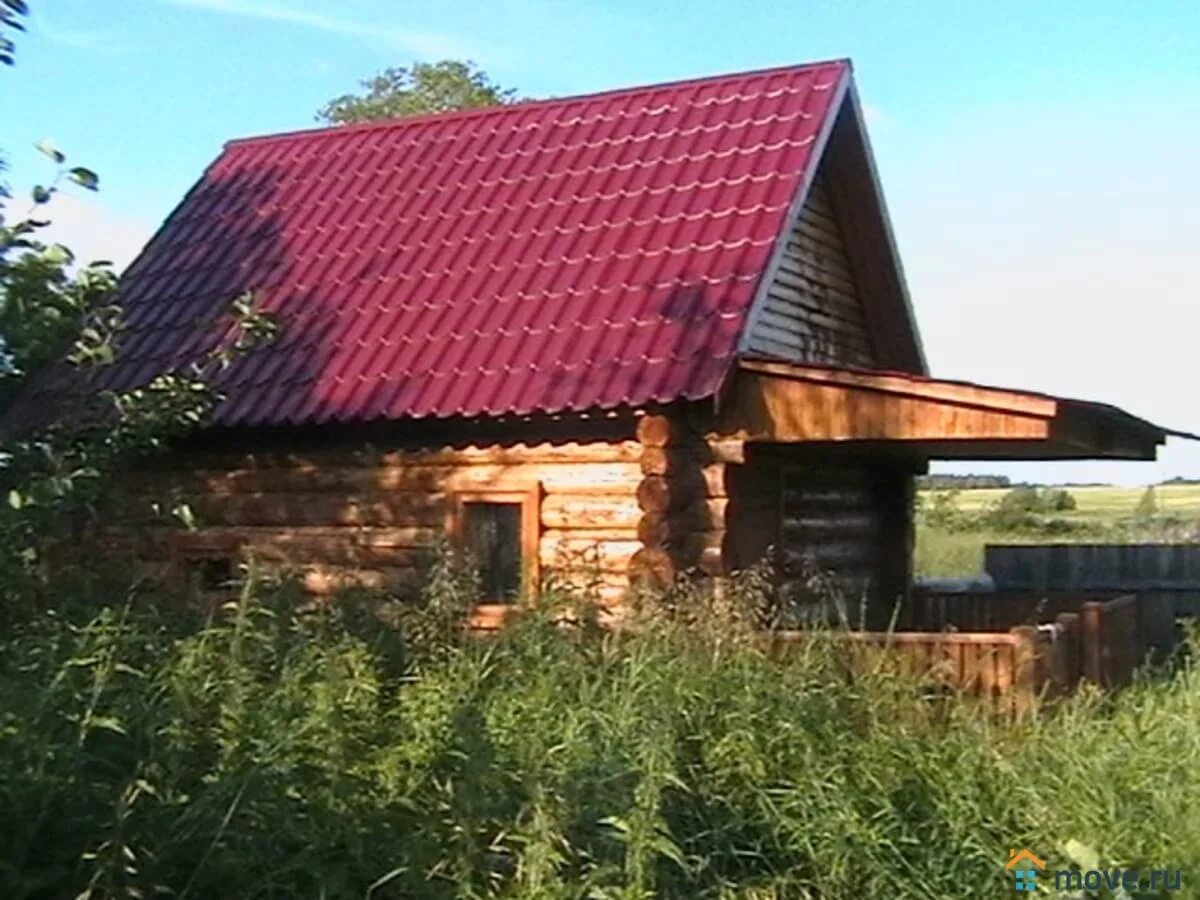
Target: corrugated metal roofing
x=561, y=255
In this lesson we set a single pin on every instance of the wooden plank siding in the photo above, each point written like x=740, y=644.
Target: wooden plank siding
x=812, y=311
x=346, y=518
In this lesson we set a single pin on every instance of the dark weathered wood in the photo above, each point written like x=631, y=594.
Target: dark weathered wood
x=1091, y=641
x=1000, y=610
x=1069, y=672
x=812, y=311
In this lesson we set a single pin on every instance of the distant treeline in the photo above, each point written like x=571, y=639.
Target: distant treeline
x=962, y=482
x=969, y=482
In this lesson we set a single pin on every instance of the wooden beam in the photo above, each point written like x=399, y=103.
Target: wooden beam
x=769, y=408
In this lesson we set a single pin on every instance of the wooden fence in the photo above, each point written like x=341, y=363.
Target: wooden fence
x=1153, y=623
x=1010, y=669
x=1168, y=573
x=1015, y=667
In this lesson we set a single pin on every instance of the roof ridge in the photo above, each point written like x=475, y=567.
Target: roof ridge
x=482, y=111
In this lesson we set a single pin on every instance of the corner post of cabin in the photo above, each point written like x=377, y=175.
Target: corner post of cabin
x=683, y=496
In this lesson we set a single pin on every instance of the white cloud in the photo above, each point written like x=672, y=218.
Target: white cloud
x=422, y=43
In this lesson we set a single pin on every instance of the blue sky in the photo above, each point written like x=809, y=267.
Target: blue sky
x=1041, y=160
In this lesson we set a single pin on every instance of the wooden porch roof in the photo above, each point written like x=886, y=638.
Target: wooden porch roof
x=776, y=401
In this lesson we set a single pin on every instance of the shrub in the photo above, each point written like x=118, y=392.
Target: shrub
x=1147, y=504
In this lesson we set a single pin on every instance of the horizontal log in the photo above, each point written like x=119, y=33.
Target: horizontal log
x=493, y=616
x=834, y=524
x=656, y=461
x=561, y=477
x=701, y=550
x=603, y=555
x=392, y=509
x=654, y=529
x=663, y=493
x=371, y=456
x=651, y=568
x=600, y=512
x=584, y=580
x=726, y=450
x=655, y=430
x=702, y=515
x=217, y=535
x=802, y=498
x=715, y=450
x=588, y=534
x=831, y=554
x=324, y=580
x=681, y=488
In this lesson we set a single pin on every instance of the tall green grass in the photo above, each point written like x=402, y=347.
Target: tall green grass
x=284, y=750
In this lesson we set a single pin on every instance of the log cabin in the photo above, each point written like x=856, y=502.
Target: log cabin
x=642, y=332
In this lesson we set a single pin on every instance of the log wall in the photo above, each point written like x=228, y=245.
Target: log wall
x=683, y=497
x=345, y=516
x=713, y=504
x=841, y=514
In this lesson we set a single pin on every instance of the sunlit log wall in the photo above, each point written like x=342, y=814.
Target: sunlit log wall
x=372, y=514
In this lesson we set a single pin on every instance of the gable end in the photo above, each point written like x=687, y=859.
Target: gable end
x=834, y=291
x=812, y=311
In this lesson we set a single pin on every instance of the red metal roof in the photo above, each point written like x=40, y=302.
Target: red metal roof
x=572, y=254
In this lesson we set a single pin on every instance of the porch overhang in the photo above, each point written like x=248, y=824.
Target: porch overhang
x=780, y=402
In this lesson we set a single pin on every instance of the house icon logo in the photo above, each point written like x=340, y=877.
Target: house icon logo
x=1024, y=866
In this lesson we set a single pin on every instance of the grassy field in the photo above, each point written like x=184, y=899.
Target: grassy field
x=943, y=552
x=1103, y=503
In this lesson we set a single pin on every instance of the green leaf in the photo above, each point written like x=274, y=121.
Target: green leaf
x=107, y=723
x=57, y=254
x=41, y=194
x=46, y=147
x=15, y=500
x=84, y=178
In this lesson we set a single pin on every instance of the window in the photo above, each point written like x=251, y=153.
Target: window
x=492, y=534
x=500, y=529
x=205, y=564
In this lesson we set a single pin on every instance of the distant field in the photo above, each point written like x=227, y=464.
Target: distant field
x=941, y=553
x=1102, y=502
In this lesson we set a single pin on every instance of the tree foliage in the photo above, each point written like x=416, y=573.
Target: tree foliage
x=412, y=91
x=53, y=311
x=11, y=14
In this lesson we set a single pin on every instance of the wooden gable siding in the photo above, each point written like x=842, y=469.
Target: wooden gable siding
x=812, y=311
x=343, y=517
